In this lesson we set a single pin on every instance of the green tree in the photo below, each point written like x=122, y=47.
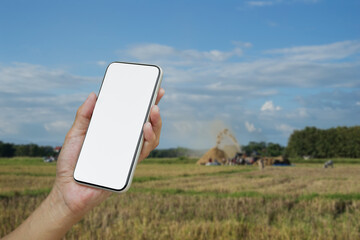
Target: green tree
x=259, y=147
x=274, y=149
x=325, y=143
x=7, y=149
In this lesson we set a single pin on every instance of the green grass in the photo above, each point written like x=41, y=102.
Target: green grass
x=341, y=196
x=323, y=160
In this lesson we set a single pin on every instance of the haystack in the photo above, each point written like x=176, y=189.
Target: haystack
x=268, y=161
x=276, y=160
x=226, y=148
x=213, y=153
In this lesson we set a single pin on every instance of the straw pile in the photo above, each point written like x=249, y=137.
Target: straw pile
x=213, y=153
x=272, y=160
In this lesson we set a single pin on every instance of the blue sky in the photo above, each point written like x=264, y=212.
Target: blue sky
x=260, y=68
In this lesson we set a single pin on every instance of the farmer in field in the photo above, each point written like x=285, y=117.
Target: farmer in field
x=261, y=164
x=329, y=164
x=68, y=201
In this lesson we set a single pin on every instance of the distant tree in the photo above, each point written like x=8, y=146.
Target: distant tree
x=325, y=143
x=258, y=147
x=22, y=150
x=7, y=149
x=47, y=151
x=30, y=150
x=274, y=149
x=263, y=148
x=34, y=150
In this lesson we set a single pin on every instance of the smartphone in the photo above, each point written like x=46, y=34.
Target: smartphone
x=114, y=139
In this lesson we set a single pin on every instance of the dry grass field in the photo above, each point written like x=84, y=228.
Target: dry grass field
x=174, y=199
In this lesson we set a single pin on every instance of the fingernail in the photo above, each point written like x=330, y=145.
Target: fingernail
x=89, y=96
x=156, y=108
x=148, y=125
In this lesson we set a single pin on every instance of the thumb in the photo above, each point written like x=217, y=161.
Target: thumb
x=83, y=116
x=75, y=137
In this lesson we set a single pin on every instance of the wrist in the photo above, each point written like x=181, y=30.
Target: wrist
x=51, y=220
x=59, y=212
x=57, y=215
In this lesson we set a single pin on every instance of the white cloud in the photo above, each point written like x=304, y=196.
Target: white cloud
x=333, y=51
x=269, y=106
x=276, y=2
x=102, y=63
x=200, y=89
x=358, y=103
x=149, y=51
x=266, y=92
x=298, y=113
x=260, y=3
x=29, y=78
x=164, y=53
x=7, y=127
x=38, y=104
x=58, y=126
x=228, y=87
x=303, y=112
x=175, y=97
x=250, y=127
x=279, y=70
x=242, y=45
x=285, y=129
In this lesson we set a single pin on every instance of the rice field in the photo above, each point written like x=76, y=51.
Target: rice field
x=177, y=199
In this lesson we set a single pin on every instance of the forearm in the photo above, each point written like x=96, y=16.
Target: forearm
x=51, y=220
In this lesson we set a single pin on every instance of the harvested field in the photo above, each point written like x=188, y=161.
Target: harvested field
x=188, y=201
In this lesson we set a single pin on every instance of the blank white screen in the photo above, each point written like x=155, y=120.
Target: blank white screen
x=116, y=125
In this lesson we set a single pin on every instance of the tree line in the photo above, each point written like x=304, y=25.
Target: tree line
x=263, y=149
x=34, y=150
x=29, y=150
x=325, y=143
x=311, y=141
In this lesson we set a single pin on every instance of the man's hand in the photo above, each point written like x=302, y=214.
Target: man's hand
x=79, y=198
x=68, y=201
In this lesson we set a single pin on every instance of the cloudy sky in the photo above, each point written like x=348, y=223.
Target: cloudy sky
x=259, y=68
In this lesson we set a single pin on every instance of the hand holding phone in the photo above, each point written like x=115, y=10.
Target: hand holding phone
x=68, y=201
